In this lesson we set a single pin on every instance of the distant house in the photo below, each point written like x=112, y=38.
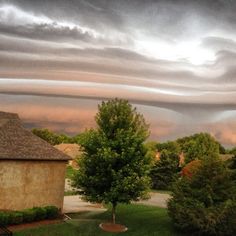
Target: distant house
x=71, y=149
x=32, y=172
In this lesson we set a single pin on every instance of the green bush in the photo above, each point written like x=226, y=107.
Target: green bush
x=4, y=218
x=15, y=218
x=52, y=212
x=40, y=213
x=29, y=215
x=205, y=203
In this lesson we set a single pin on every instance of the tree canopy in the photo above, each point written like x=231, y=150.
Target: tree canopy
x=170, y=146
x=165, y=171
x=54, y=138
x=114, y=167
x=198, y=146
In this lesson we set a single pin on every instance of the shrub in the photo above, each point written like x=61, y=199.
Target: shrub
x=29, y=215
x=205, y=203
x=4, y=218
x=40, y=213
x=52, y=212
x=15, y=218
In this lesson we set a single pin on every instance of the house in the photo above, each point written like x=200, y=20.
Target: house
x=32, y=172
x=71, y=149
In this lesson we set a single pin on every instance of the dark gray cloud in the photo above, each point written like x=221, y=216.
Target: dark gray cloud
x=175, y=59
x=51, y=32
x=91, y=13
x=164, y=19
x=219, y=44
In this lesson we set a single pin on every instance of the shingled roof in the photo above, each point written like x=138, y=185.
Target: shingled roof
x=18, y=143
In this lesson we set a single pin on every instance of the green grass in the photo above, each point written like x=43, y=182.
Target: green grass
x=141, y=220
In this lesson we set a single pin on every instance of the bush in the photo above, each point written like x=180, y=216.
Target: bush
x=52, y=212
x=205, y=203
x=4, y=218
x=15, y=218
x=28, y=215
x=40, y=213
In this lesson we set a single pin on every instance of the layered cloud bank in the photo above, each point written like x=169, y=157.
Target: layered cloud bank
x=174, y=60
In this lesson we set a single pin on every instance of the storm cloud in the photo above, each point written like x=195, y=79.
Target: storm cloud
x=174, y=60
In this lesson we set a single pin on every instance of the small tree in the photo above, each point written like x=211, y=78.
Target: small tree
x=204, y=203
x=165, y=171
x=114, y=168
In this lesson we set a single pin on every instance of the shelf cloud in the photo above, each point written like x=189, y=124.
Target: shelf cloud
x=174, y=60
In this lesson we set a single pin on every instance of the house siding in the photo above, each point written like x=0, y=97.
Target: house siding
x=27, y=184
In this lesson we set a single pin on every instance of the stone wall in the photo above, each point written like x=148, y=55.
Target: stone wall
x=25, y=184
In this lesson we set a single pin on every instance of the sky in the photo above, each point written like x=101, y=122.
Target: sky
x=172, y=59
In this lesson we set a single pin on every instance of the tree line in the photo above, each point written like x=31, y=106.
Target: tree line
x=118, y=166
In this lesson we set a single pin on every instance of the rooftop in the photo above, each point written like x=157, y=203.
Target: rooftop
x=18, y=143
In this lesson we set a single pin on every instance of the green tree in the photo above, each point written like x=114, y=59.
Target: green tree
x=165, y=171
x=52, y=137
x=151, y=150
x=231, y=163
x=114, y=167
x=232, y=151
x=222, y=149
x=170, y=146
x=199, y=146
x=205, y=203
x=46, y=135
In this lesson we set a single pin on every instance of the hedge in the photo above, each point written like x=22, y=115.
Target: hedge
x=28, y=215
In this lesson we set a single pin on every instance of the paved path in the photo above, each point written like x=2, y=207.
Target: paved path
x=76, y=204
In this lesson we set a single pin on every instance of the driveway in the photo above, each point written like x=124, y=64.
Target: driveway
x=76, y=204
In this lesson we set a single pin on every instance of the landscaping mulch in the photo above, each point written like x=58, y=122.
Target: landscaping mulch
x=113, y=228
x=24, y=226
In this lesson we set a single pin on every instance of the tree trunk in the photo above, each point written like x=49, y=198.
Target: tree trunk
x=114, y=213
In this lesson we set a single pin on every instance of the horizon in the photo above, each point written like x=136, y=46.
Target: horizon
x=173, y=60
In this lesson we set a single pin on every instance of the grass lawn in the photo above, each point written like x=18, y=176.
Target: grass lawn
x=141, y=220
